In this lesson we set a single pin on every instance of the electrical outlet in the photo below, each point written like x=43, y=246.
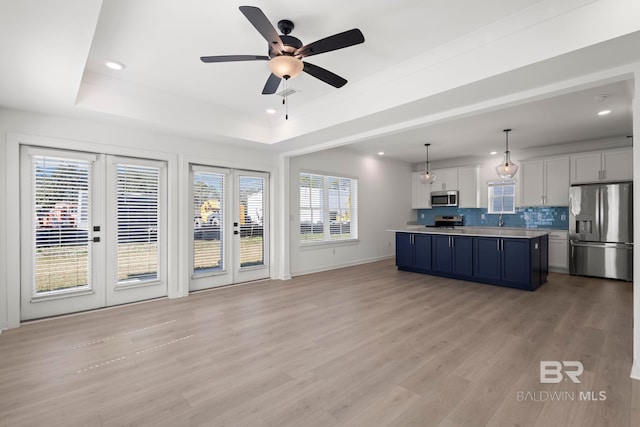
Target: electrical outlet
x=482, y=216
x=334, y=251
x=563, y=217
x=421, y=216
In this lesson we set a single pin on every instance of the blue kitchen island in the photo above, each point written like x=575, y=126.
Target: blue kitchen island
x=516, y=258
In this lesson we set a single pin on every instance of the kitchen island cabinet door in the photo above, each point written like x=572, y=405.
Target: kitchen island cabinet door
x=516, y=262
x=422, y=251
x=488, y=261
x=442, y=254
x=404, y=250
x=462, y=248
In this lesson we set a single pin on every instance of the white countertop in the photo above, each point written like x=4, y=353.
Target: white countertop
x=521, y=233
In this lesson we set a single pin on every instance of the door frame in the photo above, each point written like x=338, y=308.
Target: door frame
x=15, y=141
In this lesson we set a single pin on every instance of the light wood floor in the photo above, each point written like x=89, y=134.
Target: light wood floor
x=366, y=345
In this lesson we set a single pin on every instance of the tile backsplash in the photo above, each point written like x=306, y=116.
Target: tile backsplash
x=553, y=217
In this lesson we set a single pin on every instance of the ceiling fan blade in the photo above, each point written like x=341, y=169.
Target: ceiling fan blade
x=233, y=58
x=324, y=75
x=264, y=27
x=334, y=42
x=272, y=85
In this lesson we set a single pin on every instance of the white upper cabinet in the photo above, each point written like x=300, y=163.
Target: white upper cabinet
x=532, y=182
x=420, y=193
x=556, y=181
x=617, y=165
x=545, y=182
x=465, y=180
x=602, y=166
x=469, y=192
x=446, y=179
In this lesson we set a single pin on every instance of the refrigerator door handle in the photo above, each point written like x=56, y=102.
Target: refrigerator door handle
x=601, y=244
x=599, y=213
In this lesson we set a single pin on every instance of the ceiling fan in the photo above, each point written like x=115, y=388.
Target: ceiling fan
x=285, y=52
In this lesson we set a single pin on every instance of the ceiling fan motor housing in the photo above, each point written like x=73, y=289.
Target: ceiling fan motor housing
x=291, y=44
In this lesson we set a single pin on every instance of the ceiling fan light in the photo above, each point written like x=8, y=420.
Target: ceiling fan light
x=285, y=65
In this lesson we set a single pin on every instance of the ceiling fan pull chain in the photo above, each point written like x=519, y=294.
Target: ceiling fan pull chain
x=284, y=100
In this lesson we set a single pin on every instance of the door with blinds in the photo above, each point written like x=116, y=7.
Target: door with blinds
x=136, y=220
x=229, y=226
x=251, y=229
x=94, y=231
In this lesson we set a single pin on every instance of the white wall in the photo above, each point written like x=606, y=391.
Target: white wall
x=53, y=131
x=384, y=202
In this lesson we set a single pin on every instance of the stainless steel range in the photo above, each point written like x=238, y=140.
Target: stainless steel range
x=447, y=221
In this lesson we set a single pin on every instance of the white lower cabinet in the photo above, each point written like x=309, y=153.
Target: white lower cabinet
x=559, y=251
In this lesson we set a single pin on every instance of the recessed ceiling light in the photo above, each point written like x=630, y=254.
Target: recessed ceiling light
x=380, y=153
x=114, y=65
x=604, y=112
x=271, y=111
x=493, y=153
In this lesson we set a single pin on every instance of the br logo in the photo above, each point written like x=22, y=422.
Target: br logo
x=553, y=371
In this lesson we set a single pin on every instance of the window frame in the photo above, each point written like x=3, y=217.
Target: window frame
x=326, y=209
x=491, y=196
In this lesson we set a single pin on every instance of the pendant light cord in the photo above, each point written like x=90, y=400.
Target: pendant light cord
x=506, y=153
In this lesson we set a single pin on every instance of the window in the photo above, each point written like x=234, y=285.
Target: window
x=502, y=196
x=328, y=208
x=208, y=221
x=61, y=200
x=137, y=212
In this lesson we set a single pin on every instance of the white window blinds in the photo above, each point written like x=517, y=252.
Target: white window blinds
x=137, y=211
x=328, y=206
x=61, y=201
x=208, y=221
x=251, y=190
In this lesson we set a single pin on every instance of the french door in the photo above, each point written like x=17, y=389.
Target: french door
x=230, y=227
x=93, y=231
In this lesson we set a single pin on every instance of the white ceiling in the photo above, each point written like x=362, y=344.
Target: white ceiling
x=54, y=52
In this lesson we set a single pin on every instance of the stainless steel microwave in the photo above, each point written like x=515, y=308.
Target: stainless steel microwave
x=444, y=198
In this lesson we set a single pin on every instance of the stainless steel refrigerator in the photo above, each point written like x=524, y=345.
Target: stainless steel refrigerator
x=601, y=230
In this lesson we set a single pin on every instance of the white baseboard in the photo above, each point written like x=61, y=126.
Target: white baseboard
x=341, y=265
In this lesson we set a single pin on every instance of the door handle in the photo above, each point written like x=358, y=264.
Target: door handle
x=498, y=244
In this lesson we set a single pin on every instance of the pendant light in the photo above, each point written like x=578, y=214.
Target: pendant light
x=427, y=177
x=507, y=169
